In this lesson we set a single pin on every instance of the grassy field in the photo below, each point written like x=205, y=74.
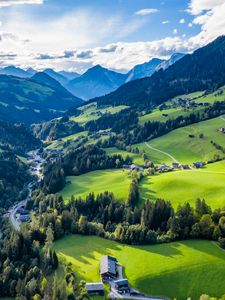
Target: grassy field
x=172, y=113
x=91, y=113
x=116, y=181
x=137, y=158
x=186, y=149
x=187, y=186
x=177, y=270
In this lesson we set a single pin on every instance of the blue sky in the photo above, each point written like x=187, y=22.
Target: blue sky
x=77, y=34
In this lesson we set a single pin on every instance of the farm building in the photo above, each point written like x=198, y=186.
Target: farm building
x=176, y=165
x=222, y=129
x=122, y=286
x=198, y=164
x=95, y=288
x=108, y=267
x=186, y=167
x=164, y=168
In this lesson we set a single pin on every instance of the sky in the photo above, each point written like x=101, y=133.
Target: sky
x=75, y=35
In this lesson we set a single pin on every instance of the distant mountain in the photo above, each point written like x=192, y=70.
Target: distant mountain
x=57, y=76
x=31, y=71
x=69, y=75
x=26, y=100
x=167, y=63
x=14, y=71
x=202, y=70
x=44, y=78
x=97, y=81
x=144, y=70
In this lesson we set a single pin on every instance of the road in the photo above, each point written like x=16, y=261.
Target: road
x=36, y=161
x=160, y=151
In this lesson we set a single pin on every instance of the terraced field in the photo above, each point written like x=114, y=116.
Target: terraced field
x=177, y=270
x=115, y=181
x=187, y=186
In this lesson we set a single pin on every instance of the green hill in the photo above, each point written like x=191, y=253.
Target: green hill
x=176, y=270
x=186, y=145
x=24, y=100
x=187, y=186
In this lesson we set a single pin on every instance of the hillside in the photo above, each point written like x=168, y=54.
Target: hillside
x=97, y=81
x=202, y=70
x=16, y=138
x=27, y=101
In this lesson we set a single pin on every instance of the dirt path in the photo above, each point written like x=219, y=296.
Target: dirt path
x=222, y=118
x=160, y=151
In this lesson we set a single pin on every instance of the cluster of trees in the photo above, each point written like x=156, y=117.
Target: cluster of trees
x=13, y=179
x=56, y=129
x=24, y=267
x=77, y=162
x=153, y=222
x=16, y=138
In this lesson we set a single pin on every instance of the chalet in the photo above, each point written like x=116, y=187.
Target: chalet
x=95, y=288
x=186, y=167
x=222, y=129
x=122, y=285
x=198, y=164
x=165, y=115
x=108, y=266
x=163, y=168
x=135, y=167
x=176, y=165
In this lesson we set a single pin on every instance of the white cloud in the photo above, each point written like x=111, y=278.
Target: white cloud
x=175, y=31
x=209, y=15
x=182, y=21
x=196, y=7
x=165, y=22
x=146, y=11
x=5, y=3
x=190, y=25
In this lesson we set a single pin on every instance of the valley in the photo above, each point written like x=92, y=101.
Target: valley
x=135, y=174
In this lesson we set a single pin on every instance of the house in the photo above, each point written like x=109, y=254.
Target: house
x=95, y=288
x=176, y=165
x=198, y=164
x=186, y=167
x=108, y=268
x=222, y=129
x=135, y=167
x=122, y=285
x=164, y=168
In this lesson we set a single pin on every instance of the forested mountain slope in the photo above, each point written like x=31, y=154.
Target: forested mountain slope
x=27, y=101
x=202, y=70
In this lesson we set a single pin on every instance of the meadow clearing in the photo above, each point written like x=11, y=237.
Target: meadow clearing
x=115, y=181
x=177, y=270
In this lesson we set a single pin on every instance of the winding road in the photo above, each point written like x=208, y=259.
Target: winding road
x=160, y=151
x=37, y=161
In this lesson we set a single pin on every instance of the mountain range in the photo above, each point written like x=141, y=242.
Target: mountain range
x=202, y=70
x=97, y=81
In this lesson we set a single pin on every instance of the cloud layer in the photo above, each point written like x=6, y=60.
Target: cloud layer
x=5, y=3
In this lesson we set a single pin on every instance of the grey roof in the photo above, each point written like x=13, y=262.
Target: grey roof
x=121, y=282
x=92, y=287
x=108, y=265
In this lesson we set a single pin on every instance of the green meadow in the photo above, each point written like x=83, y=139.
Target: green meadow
x=158, y=115
x=176, y=270
x=91, y=113
x=184, y=148
x=115, y=181
x=187, y=186
x=137, y=158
